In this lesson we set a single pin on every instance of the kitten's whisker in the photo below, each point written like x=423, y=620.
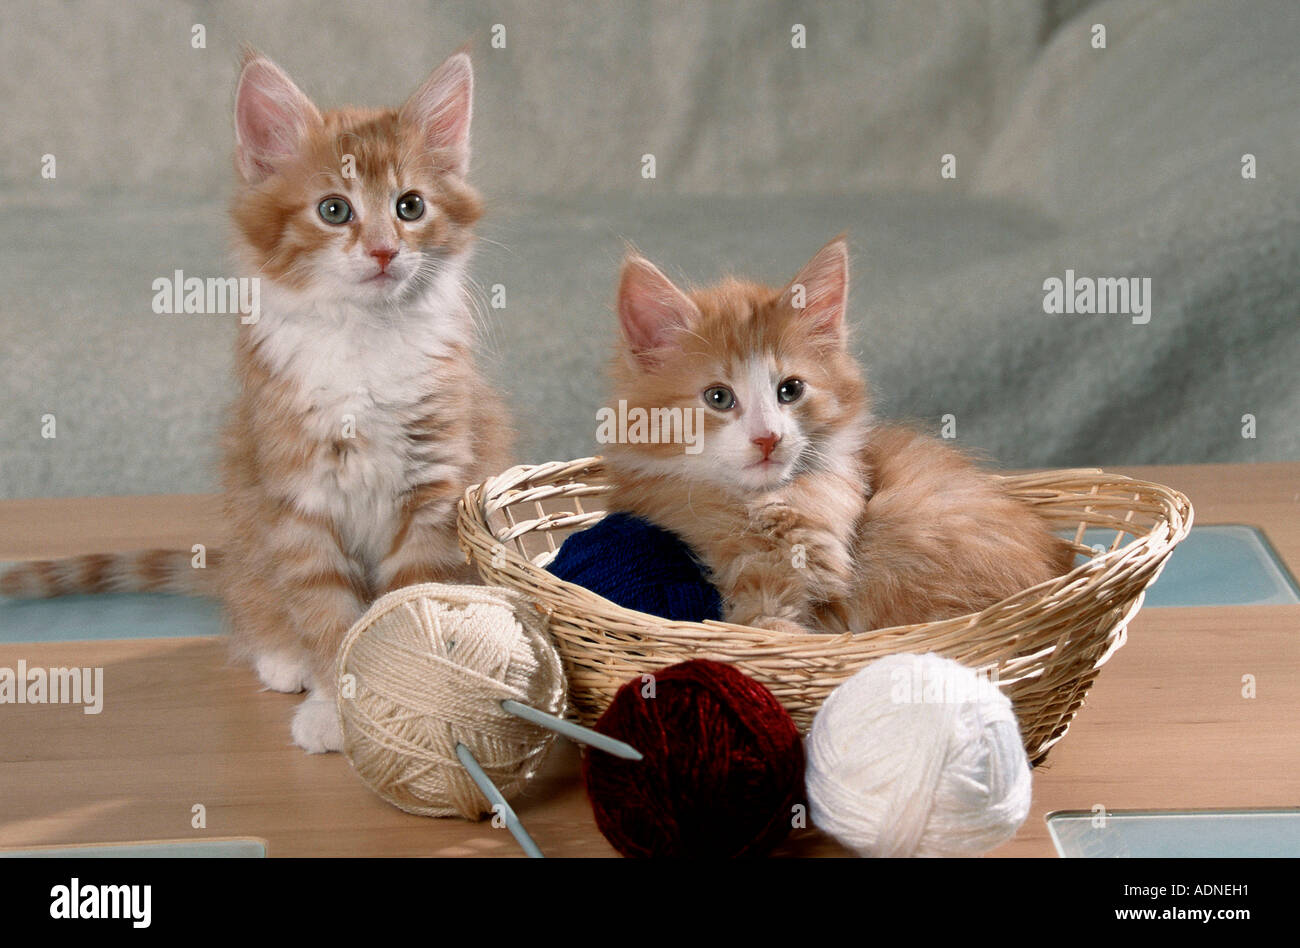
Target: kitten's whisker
x=484, y=326
x=496, y=243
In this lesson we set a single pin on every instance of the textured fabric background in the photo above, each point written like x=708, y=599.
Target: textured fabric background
x=1117, y=162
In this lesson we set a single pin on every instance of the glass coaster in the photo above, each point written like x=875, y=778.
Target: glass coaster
x=108, y=616
x=1217, y=565
x=1176, y=833
x=165, y=849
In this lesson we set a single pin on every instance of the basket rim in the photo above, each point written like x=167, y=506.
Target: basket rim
x=475, y=534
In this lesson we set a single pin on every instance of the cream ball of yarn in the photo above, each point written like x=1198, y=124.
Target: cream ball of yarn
x=426, y=668
x=917, y=755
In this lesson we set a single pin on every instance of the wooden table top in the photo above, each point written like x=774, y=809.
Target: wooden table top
x=1165, y=726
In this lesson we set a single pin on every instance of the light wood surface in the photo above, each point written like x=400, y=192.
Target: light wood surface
x=1166, y=725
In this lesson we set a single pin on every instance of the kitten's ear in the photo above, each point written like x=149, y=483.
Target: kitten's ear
x=440, y=110
x=820, y=292
x=271, y=118
x=650, y=308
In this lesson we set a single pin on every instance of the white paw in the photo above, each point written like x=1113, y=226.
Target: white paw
x=316, y=727
x=784, y=626
x=283, y=671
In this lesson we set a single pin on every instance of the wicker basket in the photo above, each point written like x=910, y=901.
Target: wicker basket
x=1046, y=643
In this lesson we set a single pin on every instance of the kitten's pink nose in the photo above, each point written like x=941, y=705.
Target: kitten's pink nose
x=384, y=256
x=768, y=443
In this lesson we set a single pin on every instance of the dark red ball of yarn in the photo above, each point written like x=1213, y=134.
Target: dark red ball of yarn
x=722, y=769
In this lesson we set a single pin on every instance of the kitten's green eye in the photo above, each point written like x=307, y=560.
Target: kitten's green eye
x=334, y=210
x=791, y=390
x=720, y=397
x=410, y=206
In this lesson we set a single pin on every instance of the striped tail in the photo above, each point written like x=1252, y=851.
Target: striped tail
x=166, y=571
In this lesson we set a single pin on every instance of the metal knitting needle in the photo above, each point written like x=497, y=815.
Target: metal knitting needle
x=574, y=732
x=494, y=796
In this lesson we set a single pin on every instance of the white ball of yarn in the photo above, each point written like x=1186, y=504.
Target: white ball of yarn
x=917, y=755
x=430, y=666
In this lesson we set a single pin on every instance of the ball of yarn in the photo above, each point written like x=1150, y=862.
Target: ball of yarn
x=637, y=565
x=917, y=755
x=722, y=771
x=430, y=666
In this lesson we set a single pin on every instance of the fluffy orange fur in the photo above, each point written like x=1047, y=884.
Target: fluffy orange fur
x=322, y=522
x=862, y=525
x=361, y=416
x=296, y=577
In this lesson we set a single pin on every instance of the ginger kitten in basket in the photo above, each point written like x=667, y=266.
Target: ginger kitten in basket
x=810, y=515
x=361, y=417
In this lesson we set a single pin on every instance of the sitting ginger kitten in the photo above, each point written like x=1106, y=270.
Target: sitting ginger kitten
x=810, y=515
x=362, y=414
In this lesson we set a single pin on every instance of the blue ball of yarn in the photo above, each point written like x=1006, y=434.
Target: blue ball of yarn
x=637, y=565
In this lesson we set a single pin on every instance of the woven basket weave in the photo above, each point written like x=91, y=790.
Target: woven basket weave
x=1045, y=644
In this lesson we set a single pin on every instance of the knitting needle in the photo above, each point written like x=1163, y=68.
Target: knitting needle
x=575, y=732
x=489, y=790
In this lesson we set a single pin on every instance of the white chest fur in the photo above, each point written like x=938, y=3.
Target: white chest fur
x=360, y=377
